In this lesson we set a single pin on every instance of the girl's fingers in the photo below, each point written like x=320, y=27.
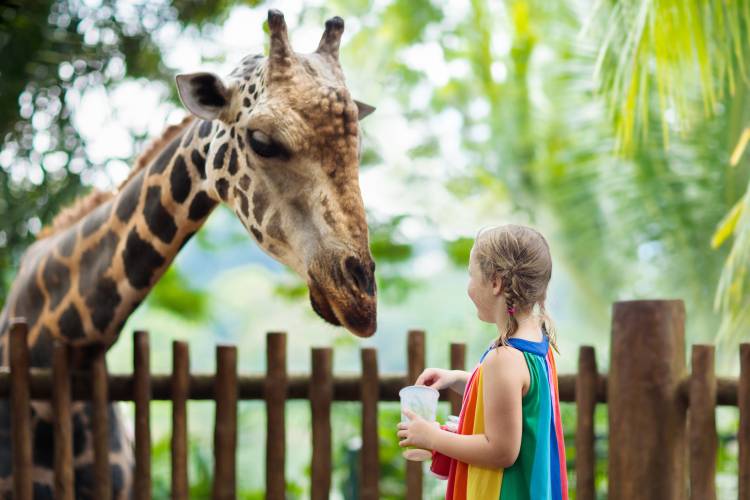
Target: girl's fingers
x=425, y=378
x=402, y=434
x=404, y=442
x=410, y=414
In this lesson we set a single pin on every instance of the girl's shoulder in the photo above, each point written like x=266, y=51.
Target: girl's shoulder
x=506, y=362
x=504, y=356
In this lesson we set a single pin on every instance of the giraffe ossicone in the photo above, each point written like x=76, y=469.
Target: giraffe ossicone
x=278, y=141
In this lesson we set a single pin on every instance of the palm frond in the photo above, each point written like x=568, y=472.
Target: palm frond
x=689, y=51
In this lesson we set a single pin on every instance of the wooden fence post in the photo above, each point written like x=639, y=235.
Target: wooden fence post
x=100, y=427
x=20, y=400
x=586, y=385
x=225, y=426
x=743, y=434
x=415, y=360
x=702, y=424
x=369, y=459
x=647, y=448
x=321, y=396
x=275, y=387
x=62, y=422
x=180, y=394
x=142, y=400
x=458, y=362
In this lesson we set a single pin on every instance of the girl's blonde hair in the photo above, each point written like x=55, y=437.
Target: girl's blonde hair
x=520, y=257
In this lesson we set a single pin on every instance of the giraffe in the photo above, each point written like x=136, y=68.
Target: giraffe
x=278, y=141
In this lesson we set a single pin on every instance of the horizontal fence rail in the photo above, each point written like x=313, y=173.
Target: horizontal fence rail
x=201, y=387
x=697, y=393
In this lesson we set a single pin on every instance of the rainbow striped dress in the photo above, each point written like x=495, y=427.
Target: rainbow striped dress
x=539, y=472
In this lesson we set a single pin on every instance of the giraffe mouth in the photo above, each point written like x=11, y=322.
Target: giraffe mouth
x=356, y=315
x=321, y=306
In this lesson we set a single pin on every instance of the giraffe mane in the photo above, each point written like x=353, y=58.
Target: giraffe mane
x=86, y=203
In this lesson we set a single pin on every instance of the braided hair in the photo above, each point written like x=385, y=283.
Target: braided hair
x=519, y=256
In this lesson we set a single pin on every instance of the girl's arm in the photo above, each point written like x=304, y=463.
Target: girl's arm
x=439, y=378
x=504, y=375
x=461, y=378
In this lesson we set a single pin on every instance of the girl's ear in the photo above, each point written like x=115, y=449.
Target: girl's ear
x=497, y=285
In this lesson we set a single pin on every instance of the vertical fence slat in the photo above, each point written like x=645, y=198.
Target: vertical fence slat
x=702, y=424
x=100, y=402
x=586, y=382
x=647, y=447
x=743, y=434
x=415, y=356
x=369, y=463
x=225, y=427
x=20, y=401
x=180, y=391
x=142, y=399
x=275, y=396
x=62, y=423
x=458, y=362
x=321, y=395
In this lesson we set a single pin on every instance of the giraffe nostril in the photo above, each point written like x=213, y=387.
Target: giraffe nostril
x=360, y=275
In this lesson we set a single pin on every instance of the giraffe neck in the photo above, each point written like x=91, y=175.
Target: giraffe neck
x=93, y=275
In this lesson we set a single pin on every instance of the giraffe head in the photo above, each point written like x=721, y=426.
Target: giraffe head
x=282, y=145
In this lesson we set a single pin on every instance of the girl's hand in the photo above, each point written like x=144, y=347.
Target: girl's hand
x=417, y=431
x=437, y=378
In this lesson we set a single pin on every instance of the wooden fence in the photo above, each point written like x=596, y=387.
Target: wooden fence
x=650, y=396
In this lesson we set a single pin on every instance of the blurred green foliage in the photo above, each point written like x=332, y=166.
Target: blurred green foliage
x=175, y=294
x=200, y=473
x=540, y=97
x=52, y=51
x=459, y=250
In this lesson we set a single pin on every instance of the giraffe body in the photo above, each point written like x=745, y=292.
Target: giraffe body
x=278, y=143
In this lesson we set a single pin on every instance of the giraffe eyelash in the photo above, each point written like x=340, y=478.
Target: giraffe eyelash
x=265, y=148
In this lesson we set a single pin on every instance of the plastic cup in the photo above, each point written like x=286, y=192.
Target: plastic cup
x=422, y=400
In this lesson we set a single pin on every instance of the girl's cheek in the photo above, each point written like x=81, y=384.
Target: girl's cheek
x=477, y=303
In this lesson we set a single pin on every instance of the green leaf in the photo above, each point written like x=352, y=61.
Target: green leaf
x=295, y=290
x=459, y=251
x=728, y=224
x=173, y=293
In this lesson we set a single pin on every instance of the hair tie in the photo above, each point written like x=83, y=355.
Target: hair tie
x=511, y=310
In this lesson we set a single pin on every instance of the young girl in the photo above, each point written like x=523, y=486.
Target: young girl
x=509, y=443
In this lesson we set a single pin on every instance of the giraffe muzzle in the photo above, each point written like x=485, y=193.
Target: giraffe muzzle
x=346, y=295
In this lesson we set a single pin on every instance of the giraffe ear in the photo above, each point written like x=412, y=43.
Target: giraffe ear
x=203, y=94
x=364, y=109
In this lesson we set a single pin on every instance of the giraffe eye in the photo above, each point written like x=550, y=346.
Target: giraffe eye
x=264, y=146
